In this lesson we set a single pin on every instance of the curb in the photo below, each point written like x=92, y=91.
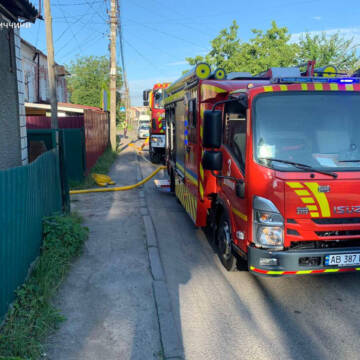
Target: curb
x=169, y=337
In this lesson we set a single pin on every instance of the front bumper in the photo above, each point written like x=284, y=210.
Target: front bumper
x=288, y=262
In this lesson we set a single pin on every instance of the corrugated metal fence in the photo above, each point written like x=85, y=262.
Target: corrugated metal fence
x=27, y=194
x=95, y=125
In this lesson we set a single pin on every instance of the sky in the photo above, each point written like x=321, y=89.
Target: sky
x=159, y=34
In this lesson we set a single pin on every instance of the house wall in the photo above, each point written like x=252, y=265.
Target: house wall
x=30, y=65
x=10, y=133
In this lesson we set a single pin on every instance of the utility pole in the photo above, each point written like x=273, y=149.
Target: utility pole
x=51, y=66
x=113, y=73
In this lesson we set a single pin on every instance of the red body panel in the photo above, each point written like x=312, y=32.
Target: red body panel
x=157, y=114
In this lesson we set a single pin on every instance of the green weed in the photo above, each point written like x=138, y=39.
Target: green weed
x=102, y=166
x=32, y=317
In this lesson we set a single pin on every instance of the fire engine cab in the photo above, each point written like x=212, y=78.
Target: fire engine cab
x=270, y=166
x=155, y=99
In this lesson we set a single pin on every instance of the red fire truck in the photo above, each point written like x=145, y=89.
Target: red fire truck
x=270, y=166
x=155, y=99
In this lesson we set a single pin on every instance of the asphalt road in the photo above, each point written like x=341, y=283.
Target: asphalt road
x=221, y=315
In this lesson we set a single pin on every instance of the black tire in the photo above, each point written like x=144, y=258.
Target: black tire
x=224, y=244
x=155, y=157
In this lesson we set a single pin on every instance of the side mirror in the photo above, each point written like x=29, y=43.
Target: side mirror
x=145, y=95
x=240, y=189
x=212, y=160
x=212, y=129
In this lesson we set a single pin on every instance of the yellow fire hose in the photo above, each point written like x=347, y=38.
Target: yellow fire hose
x=119, y=188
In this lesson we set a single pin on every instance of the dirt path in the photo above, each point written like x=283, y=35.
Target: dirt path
x=108, y=298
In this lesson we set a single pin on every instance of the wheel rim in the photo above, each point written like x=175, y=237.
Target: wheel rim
x=225, y=242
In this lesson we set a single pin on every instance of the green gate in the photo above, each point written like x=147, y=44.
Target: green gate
x=73, y=148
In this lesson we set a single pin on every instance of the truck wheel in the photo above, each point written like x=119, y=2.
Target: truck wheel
x=224, y=241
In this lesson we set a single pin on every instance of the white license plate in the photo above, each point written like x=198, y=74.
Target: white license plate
x=342, y=260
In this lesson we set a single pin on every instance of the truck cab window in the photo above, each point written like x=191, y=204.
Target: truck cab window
x=235, y=134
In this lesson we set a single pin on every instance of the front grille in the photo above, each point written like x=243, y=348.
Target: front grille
x=308, y=245
x=338, y=233
x=335, y=221
x=292, y=232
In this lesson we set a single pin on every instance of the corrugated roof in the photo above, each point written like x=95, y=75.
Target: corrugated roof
x=21, y=9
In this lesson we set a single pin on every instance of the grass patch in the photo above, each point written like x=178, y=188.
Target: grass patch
x=32, y=317
x=102, y=166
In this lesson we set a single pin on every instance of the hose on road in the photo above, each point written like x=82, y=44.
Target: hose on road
x=119, y=188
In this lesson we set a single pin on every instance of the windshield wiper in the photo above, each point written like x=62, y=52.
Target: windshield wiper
x=348, y=161
x=302, y=167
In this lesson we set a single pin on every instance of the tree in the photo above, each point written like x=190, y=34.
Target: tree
x=225, y=48
x=89, y=77
x=273, y=48
x=334, y=50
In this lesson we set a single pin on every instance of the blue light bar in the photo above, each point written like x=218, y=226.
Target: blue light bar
x=305, y=79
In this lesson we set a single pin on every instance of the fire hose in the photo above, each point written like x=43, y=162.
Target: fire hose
x=104, y=179
x=119, y=188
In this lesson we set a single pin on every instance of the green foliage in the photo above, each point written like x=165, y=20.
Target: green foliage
x=334, y=50
x=273, y=48
x=89, y=77
x=102, y=166
x=32, y=317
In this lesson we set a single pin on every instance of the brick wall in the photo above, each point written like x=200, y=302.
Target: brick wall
x=21, y=97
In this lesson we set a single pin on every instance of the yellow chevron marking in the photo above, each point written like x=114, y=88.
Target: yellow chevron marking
x=268, y=88
x=208, y=88
x=334, y=86
x=201, y=190
x=304, y=272
x=283, y=87
x=201, y=171
x=295, y=185
x=318, y=87
x=312, y=207
x=308, y=200
x=239, y=214
x=349, y=87
x=320, y=197
x=304, y=87
x=302, y=192
x=275, y=272
x=314, y=214
x=331, y=270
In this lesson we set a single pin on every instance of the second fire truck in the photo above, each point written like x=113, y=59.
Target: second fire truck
x=270, y=165
x=155, y=99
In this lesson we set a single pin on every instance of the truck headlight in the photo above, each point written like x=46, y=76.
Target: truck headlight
x=268, y=229
x=154, y=139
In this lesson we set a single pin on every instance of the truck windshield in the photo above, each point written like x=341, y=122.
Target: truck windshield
x=158, y=99
x=318, y=129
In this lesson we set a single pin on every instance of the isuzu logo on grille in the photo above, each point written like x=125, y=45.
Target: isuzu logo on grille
x=347, y=209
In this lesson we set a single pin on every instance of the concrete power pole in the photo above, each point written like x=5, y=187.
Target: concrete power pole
x=113, y=73
x=51, y=65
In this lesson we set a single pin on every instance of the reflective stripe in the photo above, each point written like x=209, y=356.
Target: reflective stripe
x=307, y=200
x=302, y=192
x=320, y=197
x=238, y=213
x=295, y=185
x=268, y=88
x=302, y=272
x=318, y=87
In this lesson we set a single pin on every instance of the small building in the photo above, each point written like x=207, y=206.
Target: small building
x=13, y=140
x=35, y=75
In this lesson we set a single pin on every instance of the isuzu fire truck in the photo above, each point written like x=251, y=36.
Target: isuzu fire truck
x=155, y=99
x=270, y=166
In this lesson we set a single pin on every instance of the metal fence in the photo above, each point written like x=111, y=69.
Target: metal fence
x=27, y=194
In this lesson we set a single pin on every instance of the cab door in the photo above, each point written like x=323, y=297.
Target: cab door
x=234, y=167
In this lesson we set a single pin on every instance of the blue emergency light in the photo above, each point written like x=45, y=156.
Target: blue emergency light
x=305, y=79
